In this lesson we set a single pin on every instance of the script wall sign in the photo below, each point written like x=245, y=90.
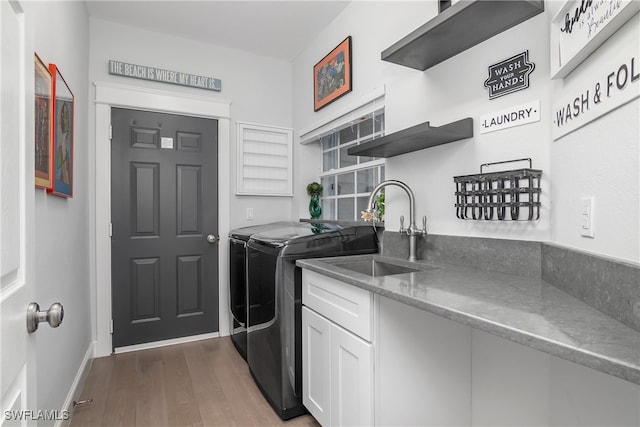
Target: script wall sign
x=581, y=26
x=510, y=75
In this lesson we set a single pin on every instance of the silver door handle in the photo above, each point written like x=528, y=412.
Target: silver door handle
x=53, y=316
x=212, y=238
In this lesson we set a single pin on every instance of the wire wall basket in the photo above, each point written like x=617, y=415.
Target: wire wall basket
x=509, y=195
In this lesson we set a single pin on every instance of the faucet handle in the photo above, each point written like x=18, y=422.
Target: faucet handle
x=402, y=224
x=424, y=224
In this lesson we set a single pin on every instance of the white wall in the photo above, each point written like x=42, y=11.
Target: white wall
x=600, y=160
x=373, y=26
x=61, y=35
x=453, y=90
x=258, y=87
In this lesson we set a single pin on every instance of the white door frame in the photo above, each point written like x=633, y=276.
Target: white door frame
x=115, y=95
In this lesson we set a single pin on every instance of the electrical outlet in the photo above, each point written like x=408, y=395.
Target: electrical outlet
x=586, y=217
x=250, y=214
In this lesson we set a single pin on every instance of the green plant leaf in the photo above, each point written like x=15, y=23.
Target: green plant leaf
x=314, y=188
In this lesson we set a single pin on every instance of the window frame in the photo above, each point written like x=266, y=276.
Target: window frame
x=372, y=163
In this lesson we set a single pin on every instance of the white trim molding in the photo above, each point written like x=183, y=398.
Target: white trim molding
x=109, y=95
x=351, y=112
x=77, y=385
x=165, y=343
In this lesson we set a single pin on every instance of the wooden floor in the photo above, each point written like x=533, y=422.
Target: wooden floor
x=204, y=383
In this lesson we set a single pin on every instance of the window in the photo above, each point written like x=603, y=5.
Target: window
x=348, y=180
x=264, y=160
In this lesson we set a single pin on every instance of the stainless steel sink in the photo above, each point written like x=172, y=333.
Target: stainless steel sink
x=375, y=268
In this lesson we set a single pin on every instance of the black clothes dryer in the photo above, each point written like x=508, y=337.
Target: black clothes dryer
x=274, y=331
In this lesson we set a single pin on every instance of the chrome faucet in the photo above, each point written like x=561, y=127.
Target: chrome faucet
x=412, y=231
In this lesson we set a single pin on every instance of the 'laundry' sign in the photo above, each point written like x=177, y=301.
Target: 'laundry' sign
x=510, y=117
x=164, y=76
x=510, y=75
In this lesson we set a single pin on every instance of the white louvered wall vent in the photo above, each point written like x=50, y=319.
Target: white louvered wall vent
x=265, y=160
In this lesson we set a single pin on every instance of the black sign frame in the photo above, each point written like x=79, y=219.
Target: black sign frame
x=510, y=75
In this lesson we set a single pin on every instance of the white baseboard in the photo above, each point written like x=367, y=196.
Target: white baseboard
x=164, y=343
x=77, y=385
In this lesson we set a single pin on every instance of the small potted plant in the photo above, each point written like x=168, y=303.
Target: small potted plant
x=314, y=190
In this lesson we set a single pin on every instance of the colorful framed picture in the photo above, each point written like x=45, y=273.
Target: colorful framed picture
x=332, y=75
x=62, y=135
x=43, y=132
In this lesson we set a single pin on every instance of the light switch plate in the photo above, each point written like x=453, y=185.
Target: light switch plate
x=249, y=213
x=586, y=217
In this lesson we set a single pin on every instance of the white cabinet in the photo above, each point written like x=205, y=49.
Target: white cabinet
x=422, y=368
x=351, y=377
x=337, y=364
x=428, y=370
x=513, y=384
x=316, y=365
x=433, y=371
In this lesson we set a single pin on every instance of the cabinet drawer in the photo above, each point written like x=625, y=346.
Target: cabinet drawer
x=346, y=305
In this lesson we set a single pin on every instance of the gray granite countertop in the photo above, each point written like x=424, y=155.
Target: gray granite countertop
x=526, y=310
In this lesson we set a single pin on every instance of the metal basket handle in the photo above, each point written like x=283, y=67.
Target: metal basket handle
x=506, y=161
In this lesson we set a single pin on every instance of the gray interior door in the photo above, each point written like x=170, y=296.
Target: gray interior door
x=164, y=204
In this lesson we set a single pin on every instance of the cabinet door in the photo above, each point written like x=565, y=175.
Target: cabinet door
x=351, y=379
x=316, y=357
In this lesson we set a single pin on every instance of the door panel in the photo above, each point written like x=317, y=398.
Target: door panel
x=189, y=200
x=145, y=289
x=145, y=138
x=17, y=290
x=164, y=204
x=351, y=379
x=316, y=365
x=189, y=285
x=145, y=190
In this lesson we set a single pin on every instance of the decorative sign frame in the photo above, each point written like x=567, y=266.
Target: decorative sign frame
x=581, y=26
x=510, y=117
x=613, y=80
x=332, y=75
x=510, y=75
x=160, y=75
x=42, y=122
x=63, y=135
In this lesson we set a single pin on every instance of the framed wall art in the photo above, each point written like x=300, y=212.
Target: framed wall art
x=62, y=135
x=332, y=75
x=42, y=121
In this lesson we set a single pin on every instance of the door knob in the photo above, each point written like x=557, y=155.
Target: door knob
x=211, y=238
x=53, y=316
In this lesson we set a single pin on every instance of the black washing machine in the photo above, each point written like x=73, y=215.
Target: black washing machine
x=274, y=331
x=238, y=239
